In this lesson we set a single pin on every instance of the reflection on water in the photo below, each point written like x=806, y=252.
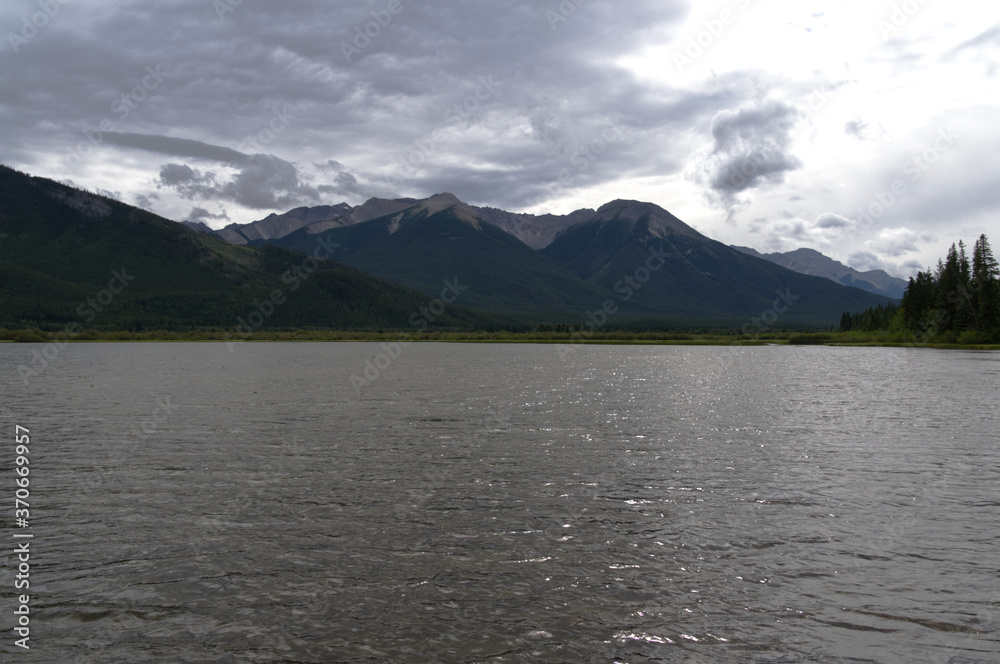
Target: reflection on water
x=491, y=503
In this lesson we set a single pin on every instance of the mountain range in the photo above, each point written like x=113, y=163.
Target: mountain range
x=810, y=261
x=627, y=264
x=555, y=267
x=536, y=231
x=70, y=259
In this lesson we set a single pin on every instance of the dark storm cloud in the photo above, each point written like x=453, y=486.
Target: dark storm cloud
x=752, y=148
x=199, y=214
x=172, y=175
x=830, y=220
x=285, y=81
x=342, y=183
x=176, y=147
x=147, y=200
x=262, y=182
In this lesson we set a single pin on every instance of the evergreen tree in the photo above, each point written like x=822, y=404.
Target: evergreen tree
x=984, y=287
x=918, y=300
x=967, y=314
x=869, y=320
x=956, y=297
x=948, y=298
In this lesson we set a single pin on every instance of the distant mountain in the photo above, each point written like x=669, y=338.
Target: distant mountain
x=68, y=256
x=536, y=231
x=691, y=275
x=72, y=257
x=810, y=261
x=199, y=227
x=279, y=225
x=588, y=262
x=441, y=238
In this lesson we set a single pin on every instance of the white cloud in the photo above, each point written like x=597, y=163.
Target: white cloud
x=895, y=242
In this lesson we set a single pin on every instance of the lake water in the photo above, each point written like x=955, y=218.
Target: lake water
x=499, y=503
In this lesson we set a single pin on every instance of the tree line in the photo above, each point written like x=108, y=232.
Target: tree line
x=958, y=301
x=869, y=320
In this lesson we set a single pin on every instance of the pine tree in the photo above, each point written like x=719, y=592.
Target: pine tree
x=949, y=296
x=918, y=301
x=985, y=288
x=968, y=313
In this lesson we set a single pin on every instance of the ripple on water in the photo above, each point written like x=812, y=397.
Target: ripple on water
x=490, y=503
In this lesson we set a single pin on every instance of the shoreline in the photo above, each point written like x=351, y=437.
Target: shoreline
x=847, y=340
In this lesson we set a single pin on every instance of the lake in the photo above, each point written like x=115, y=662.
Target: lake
x=270, y=502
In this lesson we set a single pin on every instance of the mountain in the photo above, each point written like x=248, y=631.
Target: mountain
x=652, y=259
x=279, y=225
x=810, y=261
x=199, y=227
x=69, y=257
x=536, y=231
x=588, y=263
x=441, y=238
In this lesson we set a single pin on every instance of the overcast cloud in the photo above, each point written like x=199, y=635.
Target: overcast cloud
x=775, y=124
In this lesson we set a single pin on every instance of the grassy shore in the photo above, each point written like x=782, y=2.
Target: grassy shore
x=719, y=338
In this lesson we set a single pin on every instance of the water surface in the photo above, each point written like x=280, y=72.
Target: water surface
x=493, y=503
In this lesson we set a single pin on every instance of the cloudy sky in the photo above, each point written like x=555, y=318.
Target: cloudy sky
x=867, y=130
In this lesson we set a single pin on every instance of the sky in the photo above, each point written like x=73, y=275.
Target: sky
x=866, y=130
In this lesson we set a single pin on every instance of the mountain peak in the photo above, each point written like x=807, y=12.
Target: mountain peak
x=443, y=201
x=622, y=204
x=660, y=221
x=812, y=262
x=444, y=197
x=806, y=251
